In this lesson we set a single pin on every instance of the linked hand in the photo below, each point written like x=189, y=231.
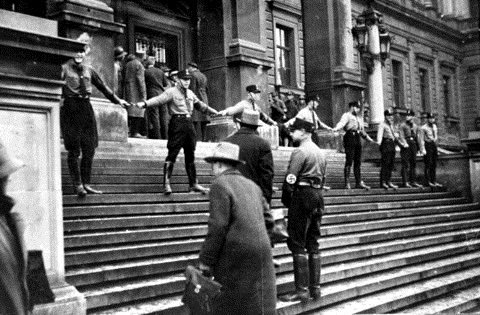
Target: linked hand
x=222, y=112
x=125, y=104
x=141, y=104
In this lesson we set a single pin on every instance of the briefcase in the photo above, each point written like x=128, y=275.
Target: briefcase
x=200, y=292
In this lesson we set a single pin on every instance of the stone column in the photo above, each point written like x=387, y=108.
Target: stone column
x=30, y=89
x=375, y=82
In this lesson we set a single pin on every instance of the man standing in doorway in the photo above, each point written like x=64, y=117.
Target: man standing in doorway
x=199, y=86
x=135, y=91
x=156, y=83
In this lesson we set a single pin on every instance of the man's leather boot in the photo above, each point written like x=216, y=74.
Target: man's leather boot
x=314, y=264
x=74, y=169
x=302, y=281
x=362, y=185
x=167, y=174
x=391, y=185
x=346, y=173
x=192, y=180
x=90, y=190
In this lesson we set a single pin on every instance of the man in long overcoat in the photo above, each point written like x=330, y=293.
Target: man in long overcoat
x=237, y=250
x=199, y=86
x=156, y=83
x=135, y=91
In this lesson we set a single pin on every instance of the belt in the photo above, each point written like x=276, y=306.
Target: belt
x=388, y=139
x=353, y=132
x=410, y=138
x=308, y=184
x=181, y=115
x=84, y=97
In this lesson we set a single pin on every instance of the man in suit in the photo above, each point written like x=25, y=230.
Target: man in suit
x=134, y=92
x=198, y=85
x=156, y=83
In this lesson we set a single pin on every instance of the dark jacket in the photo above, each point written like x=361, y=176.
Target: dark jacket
x=237, y=247
x=134, y=85
x=13, y=286
x=257, y=154
x=155, y=81
x=198, y=85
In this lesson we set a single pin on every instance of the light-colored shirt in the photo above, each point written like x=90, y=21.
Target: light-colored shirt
x=427, y=133
x=386, y=131
x=309, y=115
x=179, y=101
x=237, y=110
x=350, y=122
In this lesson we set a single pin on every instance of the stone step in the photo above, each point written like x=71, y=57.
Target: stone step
x=379, y=293
x=127, y=222
x=333, y=196
x=419, y=249
x=149, y=248
x=461, y=301
x=166, y=208
x=131, y=235
x=443, y=274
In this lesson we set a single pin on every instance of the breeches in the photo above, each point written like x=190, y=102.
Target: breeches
x=181, y=134
x=304, y=218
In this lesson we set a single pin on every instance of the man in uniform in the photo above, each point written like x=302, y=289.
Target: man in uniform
x=309, y=114
x=302, y=194
x=408, y=150
x=250, y=103
x=352, y=123
x=77, y=119
x=199, y=86
x=292, y=105
x=428, y=138
x=181, y=133
x=387, y=138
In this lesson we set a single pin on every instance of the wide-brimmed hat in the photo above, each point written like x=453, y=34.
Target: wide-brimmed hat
x=225, y=152
x=302, y=124
x=253, y=89
x=8, y=164
x=250, y=117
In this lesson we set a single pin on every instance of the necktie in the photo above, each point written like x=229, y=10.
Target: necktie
x=314, y=121
x=82, y=86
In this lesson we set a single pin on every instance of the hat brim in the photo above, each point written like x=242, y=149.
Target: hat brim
x=213, y=159
x=238, y=120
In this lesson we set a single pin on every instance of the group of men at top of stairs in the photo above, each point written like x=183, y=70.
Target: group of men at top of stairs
x=408, y=136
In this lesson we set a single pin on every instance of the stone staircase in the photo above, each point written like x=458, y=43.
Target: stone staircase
x=408, y=250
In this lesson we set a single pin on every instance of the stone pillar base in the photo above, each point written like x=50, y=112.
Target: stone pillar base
x=67, y=301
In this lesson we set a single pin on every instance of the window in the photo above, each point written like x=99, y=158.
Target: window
x=163, y=46
x=447, y=94
x=455, y=8
x=284, y=56
x=35, y=8
x=424, y=89
x=397, y=78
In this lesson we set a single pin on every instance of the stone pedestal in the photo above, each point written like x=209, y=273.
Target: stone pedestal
x=473, y=145
x=29, y=120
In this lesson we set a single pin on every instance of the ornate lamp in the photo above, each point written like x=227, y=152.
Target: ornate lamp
x=360, y=34
x=385, y=41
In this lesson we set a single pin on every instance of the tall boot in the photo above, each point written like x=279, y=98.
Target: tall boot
x=314, y=265
x=167, y=174
x=301, y=274
x=346, y=173
x=192, y=180
x=358, y=178
x=86, y=171
x=74, y=168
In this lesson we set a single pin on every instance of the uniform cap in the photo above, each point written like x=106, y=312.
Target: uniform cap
x=302, y=124
x=354, y=103
x=225, y=152
x=253, y=89
x=388, y=112
x=119, y=52
x=184, y=75
x=193, y=64
x=8, y=164
x=172, y=73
